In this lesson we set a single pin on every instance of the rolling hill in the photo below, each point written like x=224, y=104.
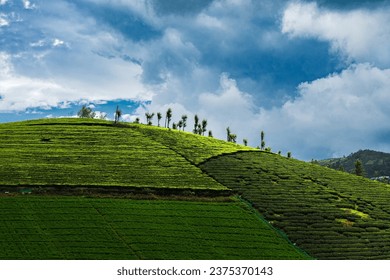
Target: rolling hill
x=86, y=189
x=65, y=195
x=375, y=164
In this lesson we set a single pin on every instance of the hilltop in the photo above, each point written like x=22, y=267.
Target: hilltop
x=375, y=164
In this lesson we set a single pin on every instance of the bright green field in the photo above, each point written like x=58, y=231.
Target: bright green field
x=329, y=214
x=193, y=147
x=79, y=152
x=35, y=227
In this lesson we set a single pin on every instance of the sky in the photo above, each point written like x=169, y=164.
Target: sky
x=313, y=75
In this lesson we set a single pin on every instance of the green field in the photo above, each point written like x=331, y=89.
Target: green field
x=329, y=214
x=80, y=152
x=47, y=227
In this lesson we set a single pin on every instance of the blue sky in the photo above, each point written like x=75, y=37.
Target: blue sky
x=314, y=75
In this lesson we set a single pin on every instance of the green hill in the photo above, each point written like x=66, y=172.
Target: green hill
x=329, y=214
x=163, y=216
x=82, y=152
x=375, y=164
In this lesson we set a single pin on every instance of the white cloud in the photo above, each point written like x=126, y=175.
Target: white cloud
x=57, y=42
x=3, y=20
x=335, y=115
x=360, y=35
x=3, y=2
x=117, y=79
x=28, y=5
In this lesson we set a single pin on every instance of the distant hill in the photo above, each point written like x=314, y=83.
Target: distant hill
x=375, y=164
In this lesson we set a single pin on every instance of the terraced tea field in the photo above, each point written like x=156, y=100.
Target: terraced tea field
x=194, y=148
x=47, y=227
x=329, y=214
x=77, y=152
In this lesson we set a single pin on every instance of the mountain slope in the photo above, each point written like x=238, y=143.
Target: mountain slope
x=375, y=164
x=329, y=214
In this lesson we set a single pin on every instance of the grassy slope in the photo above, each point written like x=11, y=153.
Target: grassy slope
x=91, y=228
x=89, y=152
x=194, y=148
x=330, y=214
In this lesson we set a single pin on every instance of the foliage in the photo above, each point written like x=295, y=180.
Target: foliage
x=86, y=112
x=374, y=164
x=358, y=168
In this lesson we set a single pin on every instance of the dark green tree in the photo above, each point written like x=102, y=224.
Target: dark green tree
x=204, y=126
x=210, y=133
x=159, y=117
x=168, y=117
x=288, y=154
x=245, y=142
x=359, y=168
x=184, y=121
x=262, y=145
x=228, y=134
x=196, y=124
x=180, y=124
x=149, y=117
x=86, y=112
x=118, y=114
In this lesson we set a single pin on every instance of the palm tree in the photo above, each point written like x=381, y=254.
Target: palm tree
x=168, y=117
x=204, y=125
x=184, y=121
x=228, y=134
x=149, y=118
x=159, y=117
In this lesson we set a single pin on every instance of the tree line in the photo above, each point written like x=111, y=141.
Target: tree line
x=200, y=127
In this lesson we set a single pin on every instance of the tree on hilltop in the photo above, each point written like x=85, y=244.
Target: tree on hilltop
x=149, y=117
x=118, y=114
x=86, y=113
x=159, y=117
x=184, y=121
x=196, y=124
x=168, y=117
x=204, y=126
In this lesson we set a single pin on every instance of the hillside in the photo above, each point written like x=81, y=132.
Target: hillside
x=104, y=228
x=375, y=164
x=82, y=152
x=174, y=210
x=329, y=214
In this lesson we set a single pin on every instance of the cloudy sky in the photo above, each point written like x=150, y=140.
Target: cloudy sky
x=314, y=75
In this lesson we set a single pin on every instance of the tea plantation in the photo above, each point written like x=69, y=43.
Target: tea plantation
x=330, y=214
x=79, y=152
x=91, y=156
x=92, y=228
